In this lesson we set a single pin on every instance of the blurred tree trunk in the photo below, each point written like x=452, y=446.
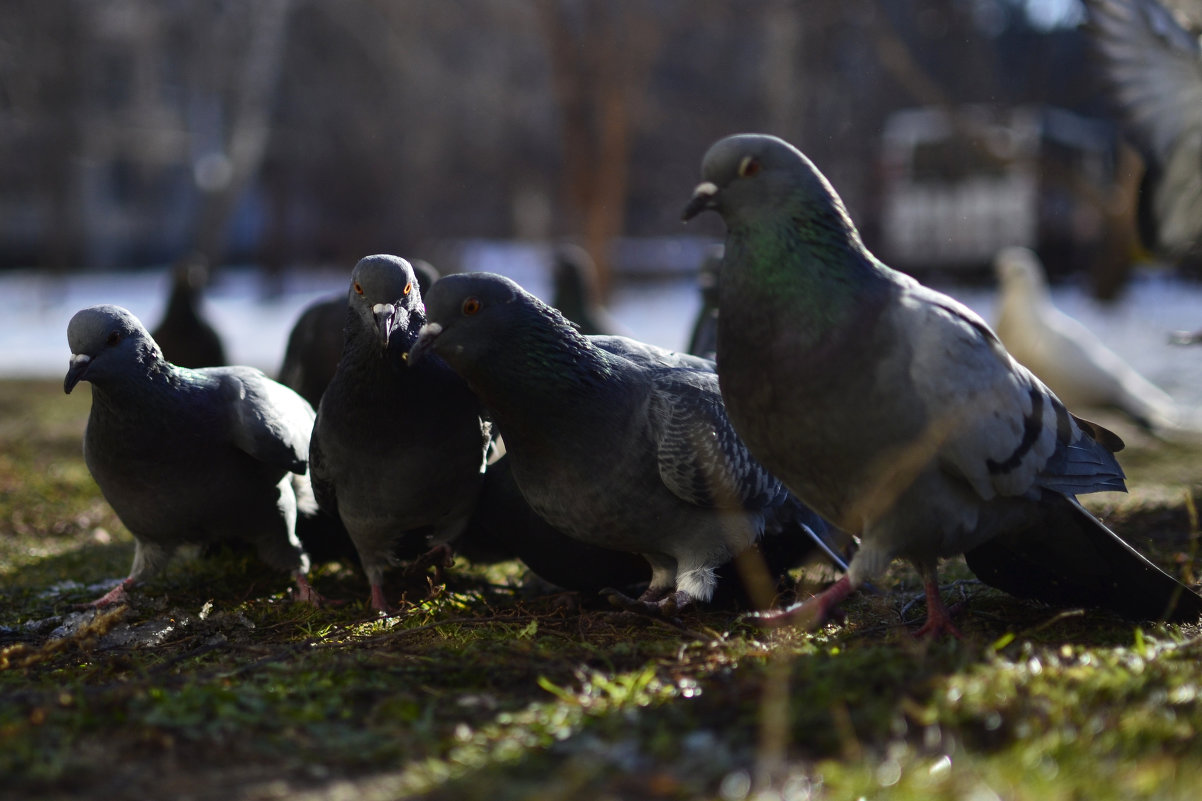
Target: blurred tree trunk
x=246, y=104
x=600, y=56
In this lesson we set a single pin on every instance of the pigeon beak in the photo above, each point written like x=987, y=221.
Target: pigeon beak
x=425, y=342
x=704, y=197
x=76, y=372
x=385, y=314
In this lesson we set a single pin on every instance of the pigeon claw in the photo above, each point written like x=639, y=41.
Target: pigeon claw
x=812, y=614
x=666, y=608
x=117, y=595
x=306, y=594
x=939, y=618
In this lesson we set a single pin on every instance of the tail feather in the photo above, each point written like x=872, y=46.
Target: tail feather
x=1069, y=558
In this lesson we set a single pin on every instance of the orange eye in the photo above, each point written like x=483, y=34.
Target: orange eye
x=748, y=167
x=471, y=306
x=408, y=288
x=358, y=288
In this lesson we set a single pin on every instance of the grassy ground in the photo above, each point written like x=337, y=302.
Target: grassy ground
x=213, y=685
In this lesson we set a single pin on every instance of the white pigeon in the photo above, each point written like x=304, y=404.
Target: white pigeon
x=1066, y=355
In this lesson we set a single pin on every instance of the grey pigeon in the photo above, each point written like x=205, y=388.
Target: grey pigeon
x=894, y=412
x=575, y=292
x=1155, y=69
x=315, y=342
x=397, y=454
x=617, y=443
x=504, y=527
x=189, y=456
x=703, y=341
x=186, y=338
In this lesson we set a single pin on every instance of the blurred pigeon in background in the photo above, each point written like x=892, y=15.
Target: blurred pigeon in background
x=619, y=444
x=189, y=456
x=703, y=341
x=184, y=335
x=1155, y=69
x=575, y=292
x=315, y=342
x=397, y=454
x=896, y=414
x=1066, y=355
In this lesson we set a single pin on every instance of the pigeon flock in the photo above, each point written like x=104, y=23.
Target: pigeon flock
x=837, y=410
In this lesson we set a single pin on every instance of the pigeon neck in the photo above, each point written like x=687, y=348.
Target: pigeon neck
x=815, y=272
x=541, y=369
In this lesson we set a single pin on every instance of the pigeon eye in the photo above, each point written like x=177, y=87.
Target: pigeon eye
x=748, y=167
x=471, y=306
x=113, y=338
x=358, y=288
x=408, y=288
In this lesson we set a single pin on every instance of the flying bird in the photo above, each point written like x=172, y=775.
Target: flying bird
x=894, y=411
x=1066, y=355
x=190, y=456
x=615, y=442
x=1155, y=69
x=397, y=454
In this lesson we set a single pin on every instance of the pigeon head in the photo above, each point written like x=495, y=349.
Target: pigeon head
x=106, y=342
x=384, y=296
x=460, y=308
x=1018, y=269
x=749, y=178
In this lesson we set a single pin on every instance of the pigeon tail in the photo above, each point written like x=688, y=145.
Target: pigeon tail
x=1067, y=557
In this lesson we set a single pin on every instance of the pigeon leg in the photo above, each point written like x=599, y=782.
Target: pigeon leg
x=939, y=619
x=809, y=615
x=117, y=595
x=378, y=602
x=305, y=592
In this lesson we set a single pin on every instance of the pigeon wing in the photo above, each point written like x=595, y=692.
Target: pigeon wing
x=701, y=458
x=267, y=420
x=992, y=421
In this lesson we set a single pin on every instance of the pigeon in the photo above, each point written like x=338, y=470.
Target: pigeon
x=315, y=342
x=185, y=337
x=1155, y=69
x=314, y=347
x=1066, y=355
x=504, y=527
x=894, y=412
x=189, y=456
x=703, y=341
x=575, y=293
x=615, y=442
x=397, y=454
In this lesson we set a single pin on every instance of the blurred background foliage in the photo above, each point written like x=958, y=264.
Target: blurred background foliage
x=294, y=132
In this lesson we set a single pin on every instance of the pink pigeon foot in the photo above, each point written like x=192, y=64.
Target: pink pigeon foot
x=661, y=604
x=305, y=592
x=810, y=615
x=117, y=595
x=939, y=619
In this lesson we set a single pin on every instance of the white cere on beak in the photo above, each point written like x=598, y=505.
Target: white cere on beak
x=430, y=329
x=706, y=188
x=79, y=359
x=382, y=308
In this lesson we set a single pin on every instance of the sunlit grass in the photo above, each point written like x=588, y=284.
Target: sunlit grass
x=214, y=683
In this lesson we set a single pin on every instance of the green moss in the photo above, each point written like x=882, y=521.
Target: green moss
x=484, y=691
